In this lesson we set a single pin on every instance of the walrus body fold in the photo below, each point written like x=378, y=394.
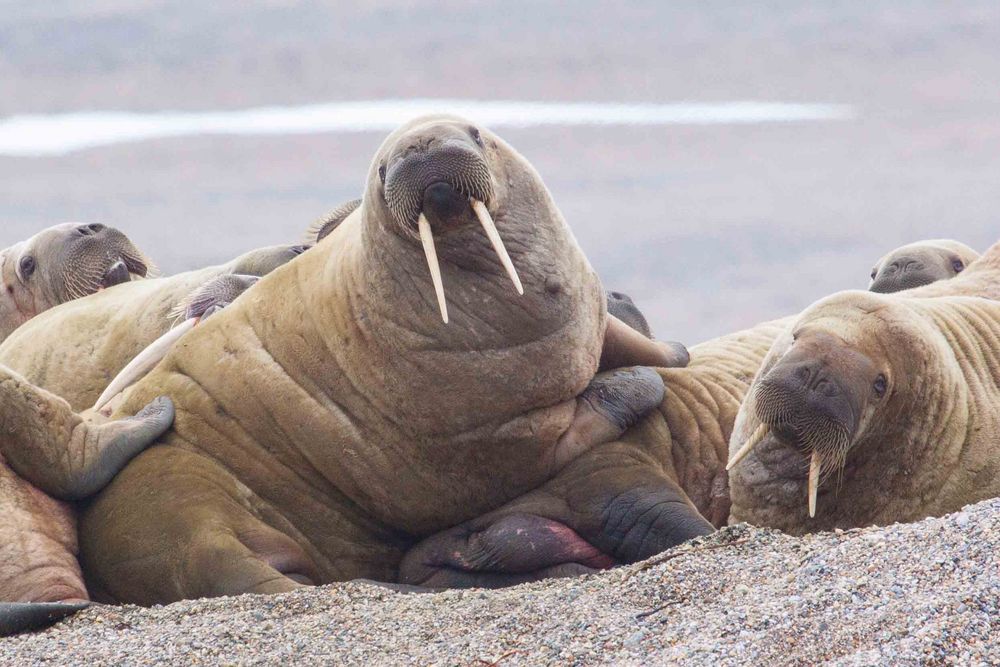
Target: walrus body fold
x=329, y=419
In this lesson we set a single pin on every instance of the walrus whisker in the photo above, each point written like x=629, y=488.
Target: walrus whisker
x=755, y=438
x=144, y=362
x=491, y=231
x=427, y=239
x=815, y=463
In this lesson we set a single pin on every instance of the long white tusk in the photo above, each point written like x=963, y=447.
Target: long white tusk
x=491, y=231
x=814, y=466
x=144, y=362
x=755, y=438
x=427, y=238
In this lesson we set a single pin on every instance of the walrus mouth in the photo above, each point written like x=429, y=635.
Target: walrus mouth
x=823, y=438
x=430, y=253
x=116, y=275
x=454, y=176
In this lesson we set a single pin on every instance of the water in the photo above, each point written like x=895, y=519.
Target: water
x=59, y=134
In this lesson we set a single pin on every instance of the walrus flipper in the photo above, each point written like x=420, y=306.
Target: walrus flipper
x=18, y=617
x=60, y=451
x=625, y=346
x=612, y=403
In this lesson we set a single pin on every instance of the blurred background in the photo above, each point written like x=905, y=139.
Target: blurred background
x=710, y=227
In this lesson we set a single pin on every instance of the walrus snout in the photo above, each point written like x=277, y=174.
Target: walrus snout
x=421, y=161
x=433, y=175
x=905, y=273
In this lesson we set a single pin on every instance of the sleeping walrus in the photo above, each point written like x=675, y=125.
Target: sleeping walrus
x=62, y=263
x=389, y=383
x=919, y=264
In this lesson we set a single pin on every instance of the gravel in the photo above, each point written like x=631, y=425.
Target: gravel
x=920, y=593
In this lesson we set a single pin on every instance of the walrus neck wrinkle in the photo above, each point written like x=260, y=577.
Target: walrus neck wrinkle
x=971, y=327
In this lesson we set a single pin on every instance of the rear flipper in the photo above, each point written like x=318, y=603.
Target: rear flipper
x=613, y=505
x=18, y=617
x=63, y=453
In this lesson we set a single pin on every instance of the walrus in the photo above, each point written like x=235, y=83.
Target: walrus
x=389, y=383
x=62, y=263
x=820, y=445
x=919, y=264
x=51, y=455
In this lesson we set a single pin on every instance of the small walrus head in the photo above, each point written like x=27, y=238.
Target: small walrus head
x=62, y=263
x=919, y=264
x=834, y=397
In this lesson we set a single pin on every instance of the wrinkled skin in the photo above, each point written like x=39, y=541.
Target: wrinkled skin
x=919, y=264
x=685, y=440
x=688, y=437
x=301, y=454
x=51, y=453
x=896, y=397
x=76, y=349
x=62, y=263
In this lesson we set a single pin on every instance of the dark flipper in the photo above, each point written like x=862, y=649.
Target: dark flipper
x=621, y=306
x=63, y=453
x=18, y=617
x=612, y=403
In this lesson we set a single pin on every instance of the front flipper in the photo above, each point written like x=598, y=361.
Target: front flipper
x=18, y=617
x=612, y=403
x=613, y=505
x=624, y=346
x=61, y=452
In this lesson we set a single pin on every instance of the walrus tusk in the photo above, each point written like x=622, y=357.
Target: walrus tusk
x=144, y=362
x=755, y=438
x=427, y=239
x=491, y=231
x=814, y=466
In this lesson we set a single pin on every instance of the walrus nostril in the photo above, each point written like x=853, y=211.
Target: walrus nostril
x=88, y=230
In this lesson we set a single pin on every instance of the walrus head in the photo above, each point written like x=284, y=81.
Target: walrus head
x=920, y=264
x=441, y=176
x=842, y=395
x=62, y=263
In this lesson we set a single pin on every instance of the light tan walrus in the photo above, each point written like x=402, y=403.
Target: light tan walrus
x=389, y=383
x=876, y=409
x=49, y=454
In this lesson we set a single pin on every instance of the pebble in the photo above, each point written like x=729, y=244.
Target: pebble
x=921, y=593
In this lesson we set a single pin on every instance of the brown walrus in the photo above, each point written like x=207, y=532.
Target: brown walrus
x=876, y=409
x=330, y=417
x=59, y=455
x=62, y=263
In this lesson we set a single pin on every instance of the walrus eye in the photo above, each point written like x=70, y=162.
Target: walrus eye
x=880, y=385
x=381, y=173
x=476, y=136
x=958, y=265
x=27, y=267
